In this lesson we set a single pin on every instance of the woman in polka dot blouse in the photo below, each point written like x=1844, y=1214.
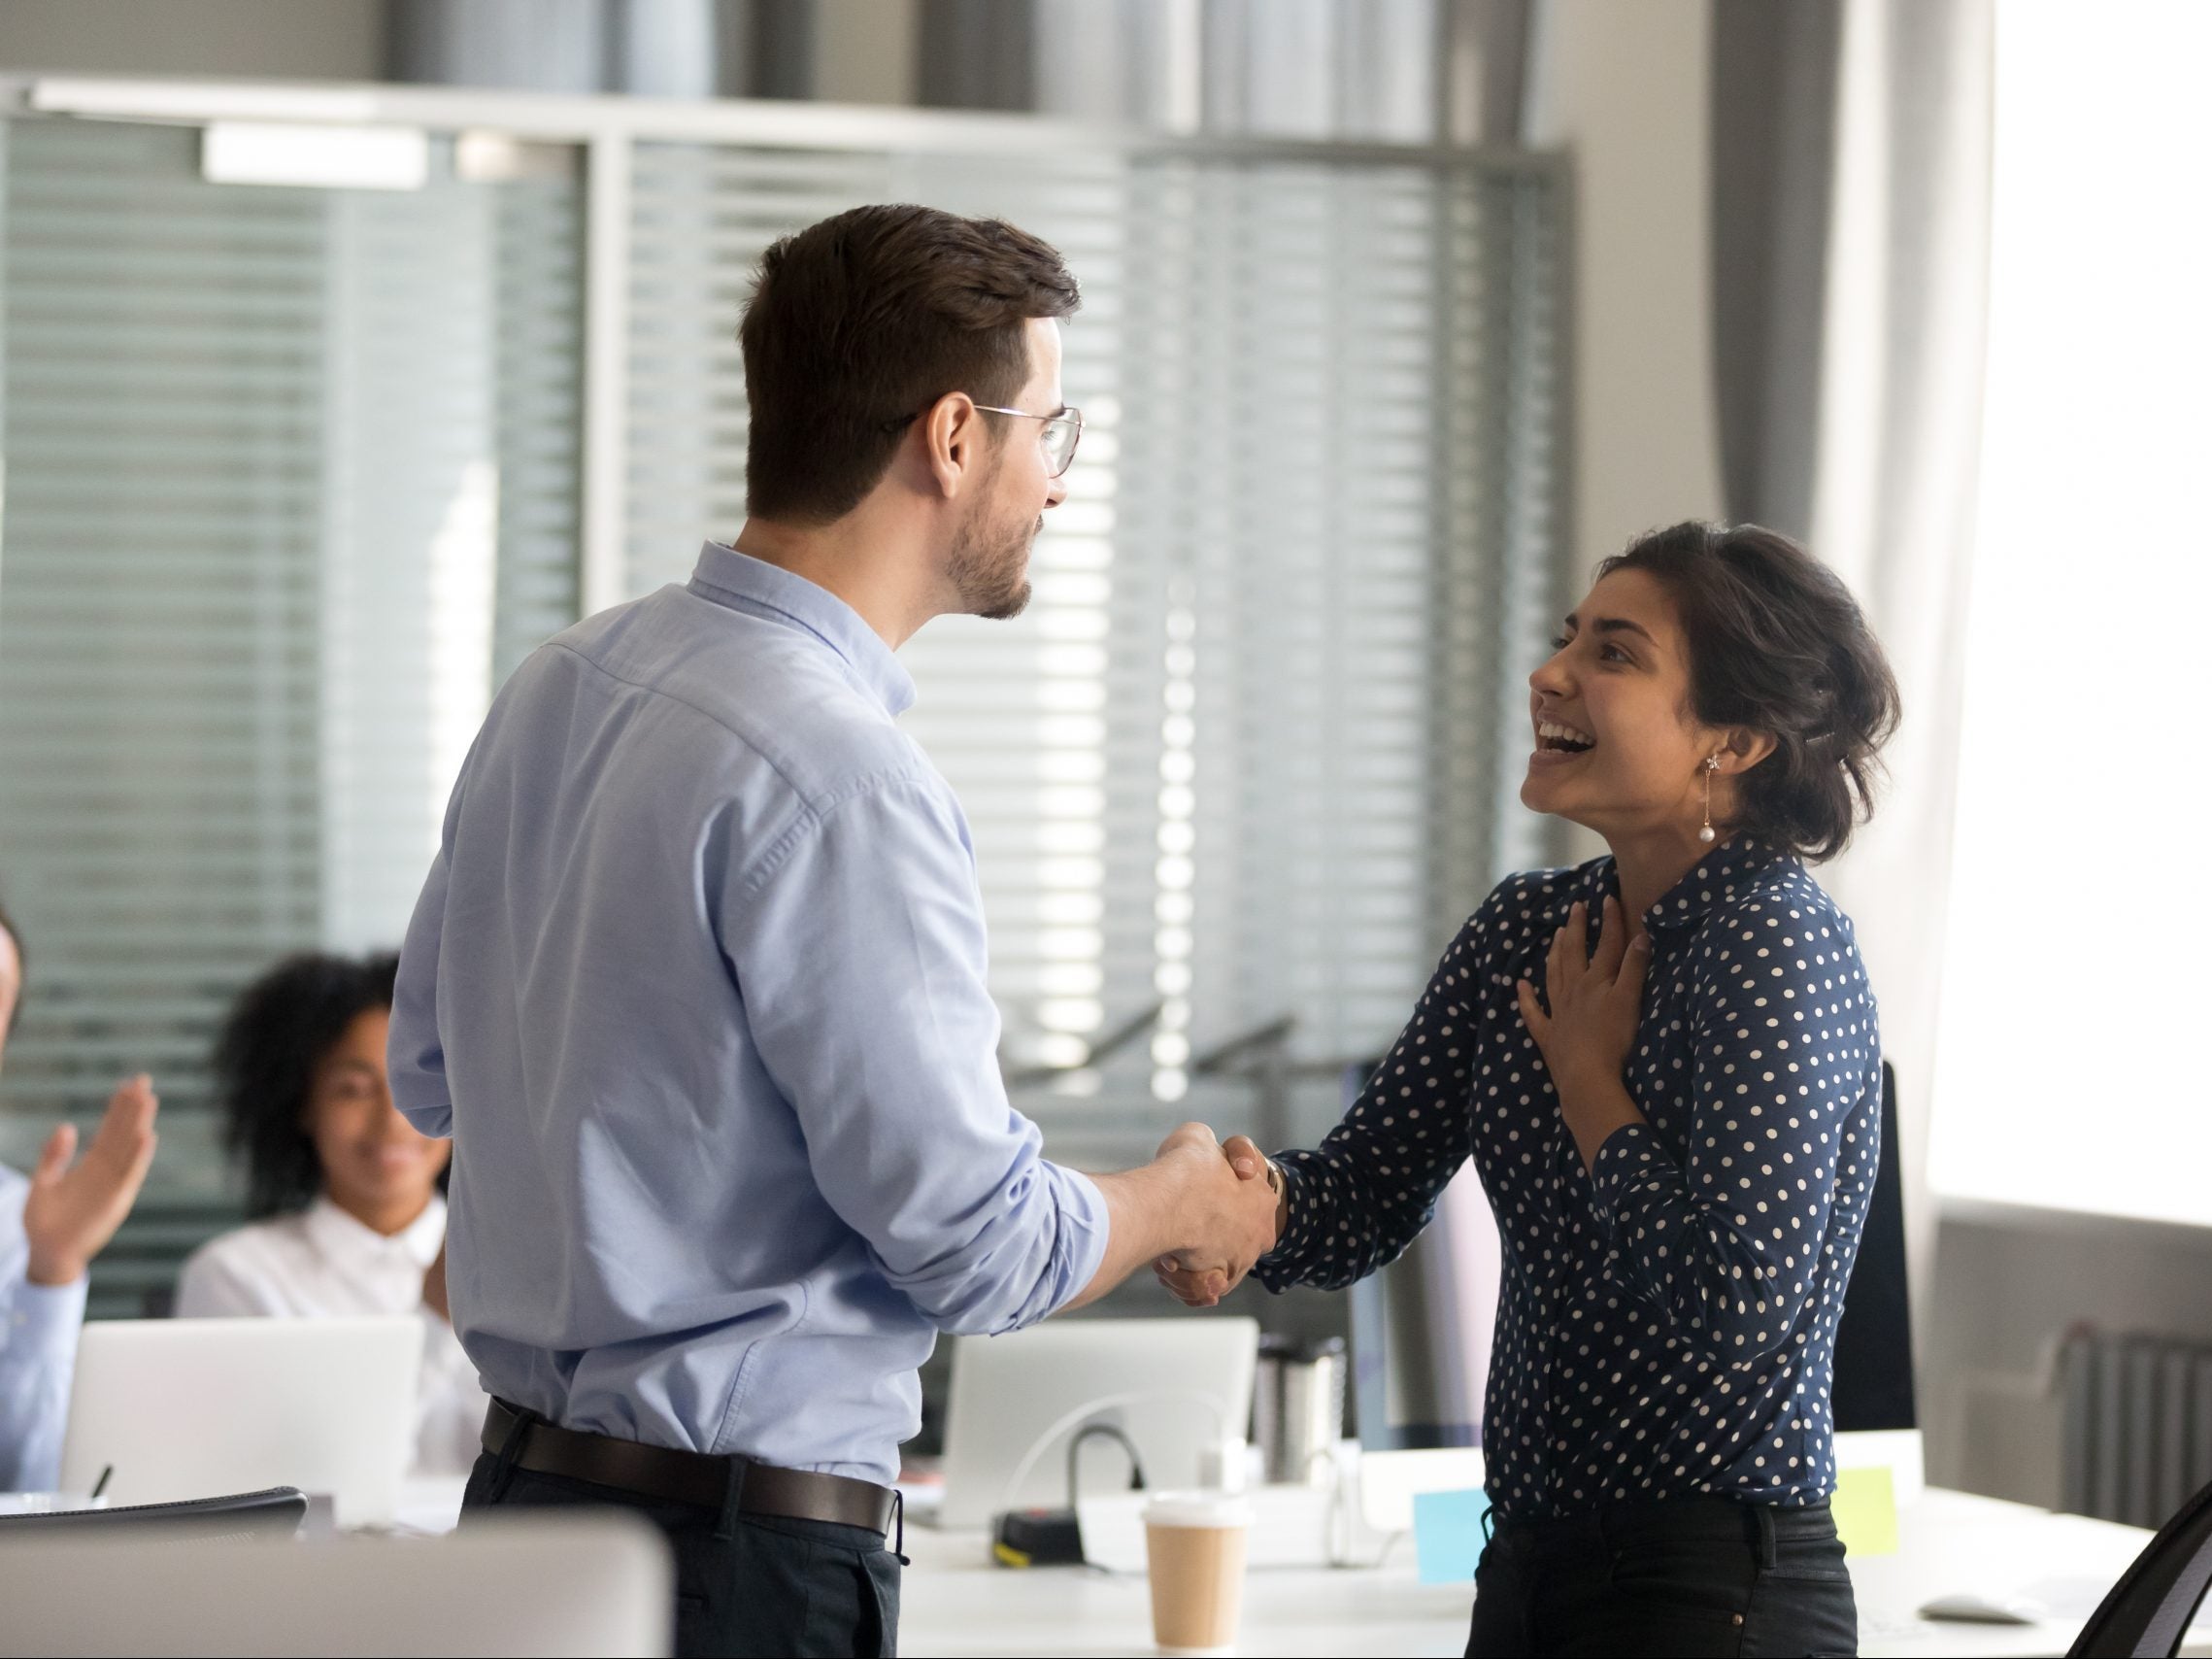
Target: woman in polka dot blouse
x=1667, y=1069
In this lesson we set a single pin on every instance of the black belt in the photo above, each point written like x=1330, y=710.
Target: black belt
x=688, y=1477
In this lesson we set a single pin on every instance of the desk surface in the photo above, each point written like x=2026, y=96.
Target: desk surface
x=954, y=1601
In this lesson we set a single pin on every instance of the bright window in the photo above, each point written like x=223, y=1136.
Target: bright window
x=2077, y=978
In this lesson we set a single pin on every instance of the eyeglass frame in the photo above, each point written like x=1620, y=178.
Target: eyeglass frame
x=1069, y=416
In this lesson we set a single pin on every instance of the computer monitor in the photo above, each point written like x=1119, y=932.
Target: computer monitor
x=184, y=1409
x=1421, y=1328
x=1179, y=1389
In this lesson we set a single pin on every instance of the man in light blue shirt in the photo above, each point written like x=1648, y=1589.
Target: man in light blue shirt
x=698, y=979
x=51, y=1225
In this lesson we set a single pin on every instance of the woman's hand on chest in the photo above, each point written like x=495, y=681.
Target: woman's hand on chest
x=1596, y=1000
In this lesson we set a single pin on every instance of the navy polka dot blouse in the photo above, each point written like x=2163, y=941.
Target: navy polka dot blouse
x=1666, y=1323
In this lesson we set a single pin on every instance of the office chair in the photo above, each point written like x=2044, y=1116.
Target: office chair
x=275, y=1513
x=2150, y=1610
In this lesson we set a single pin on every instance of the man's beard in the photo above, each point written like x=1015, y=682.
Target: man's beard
x=988, y=567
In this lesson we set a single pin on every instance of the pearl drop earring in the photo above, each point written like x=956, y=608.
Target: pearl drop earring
x=1712, y=766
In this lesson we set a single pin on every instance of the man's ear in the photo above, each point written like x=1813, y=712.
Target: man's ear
x=952, y=441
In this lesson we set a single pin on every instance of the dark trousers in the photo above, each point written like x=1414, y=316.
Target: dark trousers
x=755, y=1585
x=1689, y=1576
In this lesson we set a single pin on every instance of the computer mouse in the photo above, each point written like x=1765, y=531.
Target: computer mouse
x=1968, y=1607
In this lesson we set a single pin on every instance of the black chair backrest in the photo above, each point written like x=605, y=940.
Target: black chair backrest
x=274, y=1513
x=1873, y=1386
x=2150, y=1610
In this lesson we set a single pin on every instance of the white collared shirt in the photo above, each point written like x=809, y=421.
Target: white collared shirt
x=324, y=1263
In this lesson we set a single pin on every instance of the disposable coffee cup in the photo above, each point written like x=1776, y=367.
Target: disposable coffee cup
x=1194, y=1549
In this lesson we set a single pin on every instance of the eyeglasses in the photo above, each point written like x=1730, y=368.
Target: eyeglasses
x=1061, y=434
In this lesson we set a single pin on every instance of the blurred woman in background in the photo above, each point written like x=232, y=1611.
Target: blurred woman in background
x=350, y=1195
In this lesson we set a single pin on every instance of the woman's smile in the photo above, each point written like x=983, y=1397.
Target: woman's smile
x=1558, y=741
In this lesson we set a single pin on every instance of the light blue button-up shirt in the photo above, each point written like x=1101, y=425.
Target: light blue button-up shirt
x=696, y=985
x=38, y=1354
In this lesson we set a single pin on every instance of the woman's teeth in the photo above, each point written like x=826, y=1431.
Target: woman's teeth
x=1550, y=734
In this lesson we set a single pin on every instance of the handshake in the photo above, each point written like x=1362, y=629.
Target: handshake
x=1223, y=1212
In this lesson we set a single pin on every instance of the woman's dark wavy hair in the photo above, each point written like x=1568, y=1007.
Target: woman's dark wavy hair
x=265, y=1056
x=1778, y=644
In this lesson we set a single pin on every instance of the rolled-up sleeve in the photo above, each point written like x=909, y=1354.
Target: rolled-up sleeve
x=857, y=943
x=38, y=1358
x=414, y=1057
x=1727, y=1239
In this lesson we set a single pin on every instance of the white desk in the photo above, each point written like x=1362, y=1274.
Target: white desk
x=953, y=1602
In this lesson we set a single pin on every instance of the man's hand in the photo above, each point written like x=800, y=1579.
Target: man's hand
x=70, y=1214
x=1198, y=1280
x=1188, y=1204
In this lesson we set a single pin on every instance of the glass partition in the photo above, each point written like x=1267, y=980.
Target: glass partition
x=294, y=476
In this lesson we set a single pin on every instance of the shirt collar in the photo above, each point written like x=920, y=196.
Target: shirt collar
x=334, y=1232
x=1716, y=879
x=743, y=582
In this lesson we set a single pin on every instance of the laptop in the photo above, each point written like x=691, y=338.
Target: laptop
x=183, y=1408
x=537, y=1582
x=1180, y=1390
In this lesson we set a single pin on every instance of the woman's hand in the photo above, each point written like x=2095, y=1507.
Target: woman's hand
x=1596, y=1001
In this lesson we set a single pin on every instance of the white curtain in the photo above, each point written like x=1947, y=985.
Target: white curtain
x=1398, y=71
x=1860, y=387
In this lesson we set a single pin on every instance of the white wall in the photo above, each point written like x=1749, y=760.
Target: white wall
x=864, y=51
x=2009, y=1284
x=1621, y=85
x=321, y=40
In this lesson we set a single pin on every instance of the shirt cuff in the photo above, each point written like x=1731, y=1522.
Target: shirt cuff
x=1624, y=1158
x=46, y=1317
x=1286, y=1264
x=1086, y=1227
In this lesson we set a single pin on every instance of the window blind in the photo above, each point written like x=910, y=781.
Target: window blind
x=293, y=480
x=290, y=476
x=1246, y=757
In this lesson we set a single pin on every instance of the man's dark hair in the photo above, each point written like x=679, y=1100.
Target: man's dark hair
x=862, y=322
x=275, y=1035
x=1778, y=644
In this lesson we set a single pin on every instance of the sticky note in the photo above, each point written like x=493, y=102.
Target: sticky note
x=1865, y=1506
x=1448, y=1534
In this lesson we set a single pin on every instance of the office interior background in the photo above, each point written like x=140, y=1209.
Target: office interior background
x=1398, y=317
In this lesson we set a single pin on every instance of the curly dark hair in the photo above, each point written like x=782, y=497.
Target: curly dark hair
x=274, y=1037
x=1778, y=644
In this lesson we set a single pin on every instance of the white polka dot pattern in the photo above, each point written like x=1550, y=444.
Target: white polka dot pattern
x=1667, y=1322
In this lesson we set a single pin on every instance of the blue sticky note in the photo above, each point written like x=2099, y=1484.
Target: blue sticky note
x=1448, y=1534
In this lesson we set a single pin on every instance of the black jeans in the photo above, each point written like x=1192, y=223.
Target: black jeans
x=770, y=1586
x=1688, y=1575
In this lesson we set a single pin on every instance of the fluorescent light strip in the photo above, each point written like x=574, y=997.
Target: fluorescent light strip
x=185, y=101
x=330, y=158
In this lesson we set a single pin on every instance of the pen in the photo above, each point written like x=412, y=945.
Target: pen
x=101, y=1486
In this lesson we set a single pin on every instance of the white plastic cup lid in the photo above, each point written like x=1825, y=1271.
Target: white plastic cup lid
x=1197, y=1509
